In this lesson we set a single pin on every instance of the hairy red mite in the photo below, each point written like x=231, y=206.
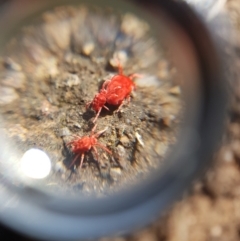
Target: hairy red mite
x=114, y=91
x=81, y=145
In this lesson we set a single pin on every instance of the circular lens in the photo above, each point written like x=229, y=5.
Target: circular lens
x=103, y=106
x=91, y=93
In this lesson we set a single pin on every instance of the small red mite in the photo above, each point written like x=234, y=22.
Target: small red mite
x=81, y=145
x=114, y=91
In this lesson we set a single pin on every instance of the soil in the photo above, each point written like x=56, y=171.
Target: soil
x=54, y=66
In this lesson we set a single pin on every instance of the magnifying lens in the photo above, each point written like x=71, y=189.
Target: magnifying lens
x=108, y=111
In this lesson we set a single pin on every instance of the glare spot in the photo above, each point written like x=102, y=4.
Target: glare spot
x=35, y=164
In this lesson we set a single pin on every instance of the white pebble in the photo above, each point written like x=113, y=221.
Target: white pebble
x=139, y=138
x=88, y=48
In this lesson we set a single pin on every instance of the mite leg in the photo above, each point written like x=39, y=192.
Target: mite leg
x=104, y=148
x=88, y=104
x=95, y=152
x=93, y=129
x=70, y=143
x=120, y=69
x=74, y=160
x=119, y=107
x=132, y=76
x=128, y=99
x=105, y=107
x=100, y=132
x=98, y=113
x=105, y=84
x=81, y=162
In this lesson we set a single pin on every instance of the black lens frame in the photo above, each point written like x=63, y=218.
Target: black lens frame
x=71, y=220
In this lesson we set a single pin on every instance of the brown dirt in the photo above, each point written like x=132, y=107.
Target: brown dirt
x=53, y=67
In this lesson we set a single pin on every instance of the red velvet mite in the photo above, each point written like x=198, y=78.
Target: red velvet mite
x=81, y=145
x=114, y=91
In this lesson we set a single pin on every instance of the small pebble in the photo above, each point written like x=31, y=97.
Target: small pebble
x=125, y=140
x=175, y=90
x=160, y=148
x=64, y=132
x=122, y=156
x=121, y=151
x=88, y=48
x=167, y=121
x=57, y=34
x=116, y=170
x=46, y=108
x=133, y=26
x=72, y=80
x=127, y=120
x=77, y=125
x=139, y=138
x=119, y=56
x=7, y=95
x=52, y=67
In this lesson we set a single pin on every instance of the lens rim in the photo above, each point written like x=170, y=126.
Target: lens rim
x=135, y=209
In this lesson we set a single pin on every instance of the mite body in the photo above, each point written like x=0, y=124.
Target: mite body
x=81, y=145
x=114, y=91
x=118, y=89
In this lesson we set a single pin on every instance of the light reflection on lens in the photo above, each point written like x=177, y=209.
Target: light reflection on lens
x=35, y=164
